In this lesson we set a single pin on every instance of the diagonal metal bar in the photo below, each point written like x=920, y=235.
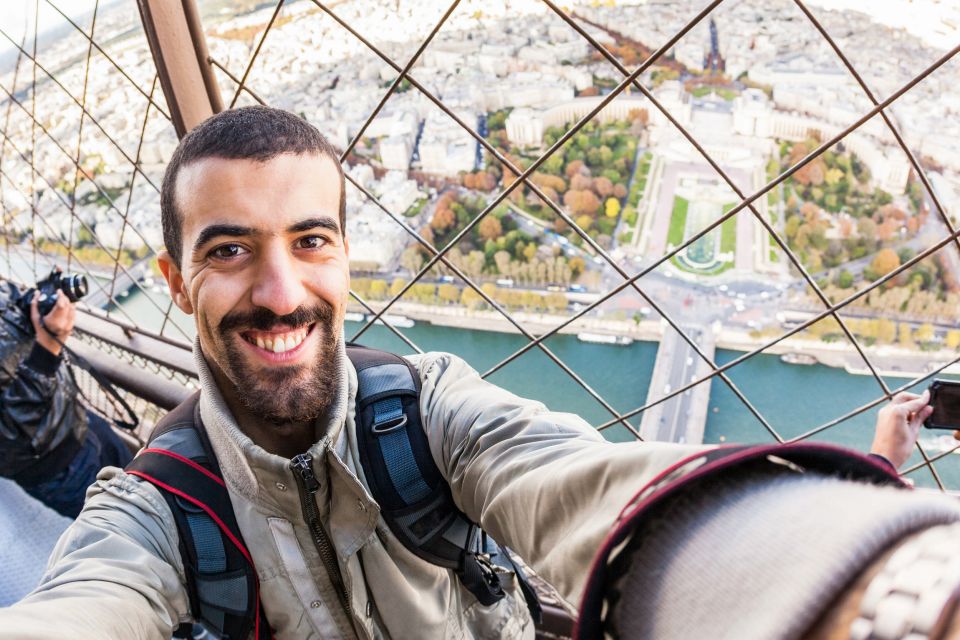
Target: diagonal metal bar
x=396, y=83
x=83, y=109
x=758, y=194
x=559, y=143
x=879, y=282
x=929, y=462
x=493, y=303
x=256, y=52
x=726, y=178
x=156, y=106
x=236, y=80
x=410, y=343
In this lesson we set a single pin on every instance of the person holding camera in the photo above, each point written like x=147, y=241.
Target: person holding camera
x=50, y=444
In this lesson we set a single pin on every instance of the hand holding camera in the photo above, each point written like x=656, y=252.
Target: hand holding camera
x=54, y=328
x=50, y=307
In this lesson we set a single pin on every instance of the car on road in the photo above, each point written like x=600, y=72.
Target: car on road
x=577, y=288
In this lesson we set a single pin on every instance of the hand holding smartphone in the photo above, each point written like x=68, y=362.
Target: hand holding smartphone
x=945, y=400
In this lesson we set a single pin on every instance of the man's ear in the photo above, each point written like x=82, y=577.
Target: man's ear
x=178, y=289
x=346, y=245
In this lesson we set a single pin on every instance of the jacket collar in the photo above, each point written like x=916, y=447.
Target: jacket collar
x=245, y=465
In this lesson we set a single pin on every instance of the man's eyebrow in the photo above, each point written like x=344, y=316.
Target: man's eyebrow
x=323, y=222
x=215, y=230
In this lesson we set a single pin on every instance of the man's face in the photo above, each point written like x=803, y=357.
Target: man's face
x=265, y=270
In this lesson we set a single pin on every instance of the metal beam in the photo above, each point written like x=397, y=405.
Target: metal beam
x=179, y=49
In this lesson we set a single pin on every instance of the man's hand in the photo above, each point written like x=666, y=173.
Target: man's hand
x=56, y=326
x=898, y=424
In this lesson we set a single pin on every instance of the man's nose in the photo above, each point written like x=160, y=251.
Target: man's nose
x=278, y=284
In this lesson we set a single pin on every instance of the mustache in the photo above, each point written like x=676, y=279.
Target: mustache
x=263, y=319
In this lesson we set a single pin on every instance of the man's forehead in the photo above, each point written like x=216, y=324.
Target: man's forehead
x=306, y=168
x=269, y=194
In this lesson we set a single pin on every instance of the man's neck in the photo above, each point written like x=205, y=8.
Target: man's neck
x=282, y=439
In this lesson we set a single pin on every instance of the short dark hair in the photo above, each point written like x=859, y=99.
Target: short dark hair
x=249, y=133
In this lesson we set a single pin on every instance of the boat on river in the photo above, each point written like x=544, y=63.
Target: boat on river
x=603, y=338
x=798, y=358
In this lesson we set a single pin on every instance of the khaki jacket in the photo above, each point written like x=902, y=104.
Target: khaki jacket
x=545, y=484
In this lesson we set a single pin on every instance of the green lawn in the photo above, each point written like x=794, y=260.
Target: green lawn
x=728, y=232
x=678, y=221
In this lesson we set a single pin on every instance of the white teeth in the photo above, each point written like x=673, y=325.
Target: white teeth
x=280, y=344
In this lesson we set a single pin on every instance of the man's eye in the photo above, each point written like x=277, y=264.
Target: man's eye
x=226, y=251
x=311, y=242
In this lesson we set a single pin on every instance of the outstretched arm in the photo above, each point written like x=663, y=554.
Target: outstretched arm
x=544, y=483
x=115, y=573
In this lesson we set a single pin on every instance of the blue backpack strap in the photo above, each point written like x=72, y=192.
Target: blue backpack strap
x=414, y=497
x=221, y=579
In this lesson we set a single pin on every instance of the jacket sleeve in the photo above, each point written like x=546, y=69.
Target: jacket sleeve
x=35, y=403
x=115, y=573
x=546, y=484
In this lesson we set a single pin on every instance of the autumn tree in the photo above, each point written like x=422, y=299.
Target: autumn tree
x=490, y=228
x=905, y=335
x=612, y=207
x=952, y=339
x=411, y=259
x=602, y=186
x=577, y=167
x=545, y=180
x=886, y=330
x=378, y=289
x=448, y=293
x=443, y=219
x=925, y=333
x=581, y=202
x=884, y=262
x=581, y=183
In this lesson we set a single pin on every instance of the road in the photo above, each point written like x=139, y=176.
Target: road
x=683, y=417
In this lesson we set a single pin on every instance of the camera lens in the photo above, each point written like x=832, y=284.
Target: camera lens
x=75, y=286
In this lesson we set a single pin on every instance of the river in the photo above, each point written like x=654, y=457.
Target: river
x=793, y=398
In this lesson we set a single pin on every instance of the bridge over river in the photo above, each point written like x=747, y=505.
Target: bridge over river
x=682, y=418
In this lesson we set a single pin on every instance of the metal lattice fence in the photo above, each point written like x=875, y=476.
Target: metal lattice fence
x=429, y=58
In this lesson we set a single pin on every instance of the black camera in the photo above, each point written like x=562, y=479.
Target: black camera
x=73, y=285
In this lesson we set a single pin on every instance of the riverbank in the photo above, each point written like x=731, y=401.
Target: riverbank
x=889, y=360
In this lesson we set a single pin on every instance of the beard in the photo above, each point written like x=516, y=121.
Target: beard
x=288, y=393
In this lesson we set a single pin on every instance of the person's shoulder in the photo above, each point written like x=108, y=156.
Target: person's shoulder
x=435, y=363
x=116, y=489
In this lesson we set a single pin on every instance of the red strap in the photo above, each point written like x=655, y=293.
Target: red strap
x=220, y=523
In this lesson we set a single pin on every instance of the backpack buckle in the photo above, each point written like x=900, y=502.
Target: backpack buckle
x=390, y=425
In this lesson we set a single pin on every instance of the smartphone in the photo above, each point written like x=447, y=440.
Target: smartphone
x=945, y=398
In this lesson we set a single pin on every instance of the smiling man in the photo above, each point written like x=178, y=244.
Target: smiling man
x=254, y=225
x=265, y=269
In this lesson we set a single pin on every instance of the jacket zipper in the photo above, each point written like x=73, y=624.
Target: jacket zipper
x=308, y=484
